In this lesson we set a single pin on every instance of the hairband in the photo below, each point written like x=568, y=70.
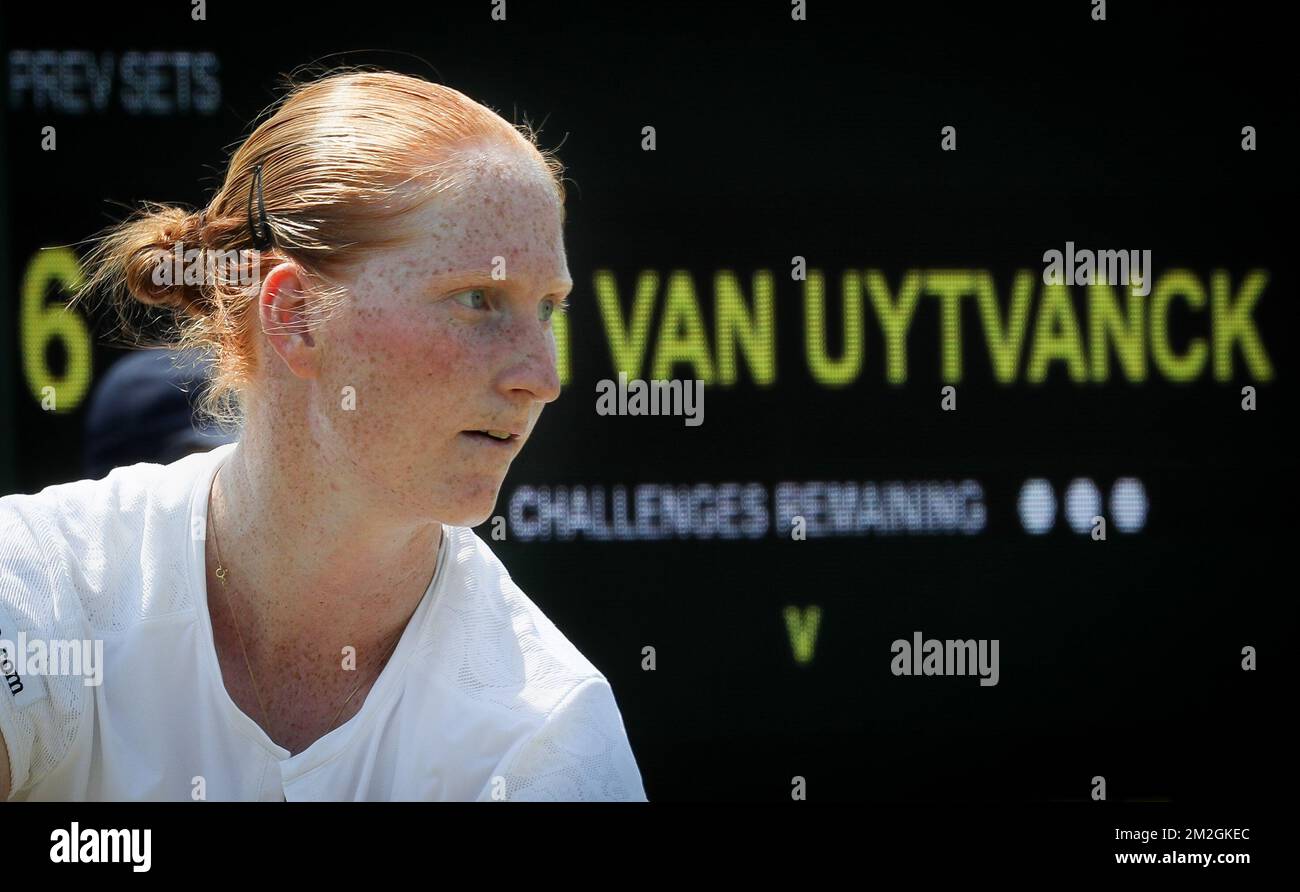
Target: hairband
x=263, y=238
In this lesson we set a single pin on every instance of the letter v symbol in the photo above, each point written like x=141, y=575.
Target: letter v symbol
x=802, y=627
x=627, y=341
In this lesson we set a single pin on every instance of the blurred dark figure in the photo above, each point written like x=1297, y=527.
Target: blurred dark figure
x=142, y=410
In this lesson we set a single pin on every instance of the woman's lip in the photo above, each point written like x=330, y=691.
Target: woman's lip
x=486, y=440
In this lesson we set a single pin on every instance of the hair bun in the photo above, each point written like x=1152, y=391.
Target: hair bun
x=156, y=273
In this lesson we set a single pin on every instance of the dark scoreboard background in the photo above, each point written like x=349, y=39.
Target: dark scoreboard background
x=817, y=139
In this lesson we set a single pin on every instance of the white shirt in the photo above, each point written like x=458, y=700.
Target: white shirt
x=483, y=698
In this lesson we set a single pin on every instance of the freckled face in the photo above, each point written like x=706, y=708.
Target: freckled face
x=437, y=349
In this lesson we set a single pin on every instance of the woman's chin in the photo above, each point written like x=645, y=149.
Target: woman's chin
x=469, y=514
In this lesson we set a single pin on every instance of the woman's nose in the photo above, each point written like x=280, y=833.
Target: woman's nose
x=530, y=361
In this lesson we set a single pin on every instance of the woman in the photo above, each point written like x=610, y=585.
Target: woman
x=305, y=613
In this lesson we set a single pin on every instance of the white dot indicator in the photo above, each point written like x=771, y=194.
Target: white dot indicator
x=1128, y=504
x=1037, y=506
x=1082, y=504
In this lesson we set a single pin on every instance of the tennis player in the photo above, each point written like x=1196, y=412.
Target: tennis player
x=305, y=613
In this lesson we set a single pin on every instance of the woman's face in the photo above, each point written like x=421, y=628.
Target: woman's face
x=437, y=350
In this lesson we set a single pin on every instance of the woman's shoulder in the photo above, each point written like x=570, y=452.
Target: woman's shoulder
x=123, y=492
x=34, y=557
x=496, y=640
x=74, y=544
x=500, y=647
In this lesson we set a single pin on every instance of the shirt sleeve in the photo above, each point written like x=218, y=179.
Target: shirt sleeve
x=579, y=754
x=39, y=713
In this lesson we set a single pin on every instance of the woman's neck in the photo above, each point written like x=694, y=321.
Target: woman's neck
x=313, y=561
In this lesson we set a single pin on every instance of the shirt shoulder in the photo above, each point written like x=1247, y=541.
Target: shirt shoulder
x=491, y=641
x=580, y=753
x=83, y=560
x=39, y=713
x=497, y=647
x=113, y=550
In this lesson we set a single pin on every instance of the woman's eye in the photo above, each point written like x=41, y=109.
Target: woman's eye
x=475, y=299
x=546, y=309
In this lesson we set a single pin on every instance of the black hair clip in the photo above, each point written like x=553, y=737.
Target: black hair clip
x=263, y=238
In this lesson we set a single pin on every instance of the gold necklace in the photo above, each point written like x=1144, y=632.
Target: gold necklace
x=221, y=573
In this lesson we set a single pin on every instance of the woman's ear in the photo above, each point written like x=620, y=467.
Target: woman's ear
x=282, y=310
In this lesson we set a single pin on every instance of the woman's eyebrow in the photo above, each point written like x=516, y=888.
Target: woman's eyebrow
x=462, y=275
x=559, y=283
